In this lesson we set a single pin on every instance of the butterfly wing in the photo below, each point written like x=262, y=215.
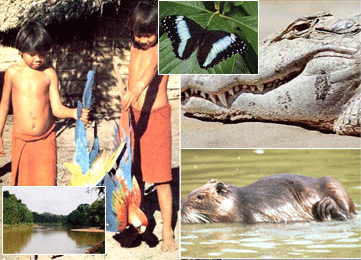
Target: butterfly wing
x=218, y=46
x=183, y=33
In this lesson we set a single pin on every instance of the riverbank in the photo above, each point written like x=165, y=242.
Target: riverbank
x=19, y=225
x=89, y=229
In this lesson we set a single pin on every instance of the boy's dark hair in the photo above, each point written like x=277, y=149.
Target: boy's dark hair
x=33, y=38
x=144, y=19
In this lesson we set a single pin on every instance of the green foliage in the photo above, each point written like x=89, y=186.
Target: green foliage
x=85, y=215
x=14, y=210
x=88, y=215
x=97, y=214
x=240, y=17
x=48, y=218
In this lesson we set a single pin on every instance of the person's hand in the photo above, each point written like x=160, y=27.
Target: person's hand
x=84, y=117
x=128, y=99
x=2, y=153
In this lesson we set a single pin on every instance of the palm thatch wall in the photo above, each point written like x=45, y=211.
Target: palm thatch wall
x=86, y=35
x=17, y=12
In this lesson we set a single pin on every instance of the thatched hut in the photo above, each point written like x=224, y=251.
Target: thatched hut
x=86, y=35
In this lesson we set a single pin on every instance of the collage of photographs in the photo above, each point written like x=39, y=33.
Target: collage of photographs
x=117, y=143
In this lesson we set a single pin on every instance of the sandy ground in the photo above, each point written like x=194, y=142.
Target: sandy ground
x=205, y=134
x=91, y=229
x=148, y=246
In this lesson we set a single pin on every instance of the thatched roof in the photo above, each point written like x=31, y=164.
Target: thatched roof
x=14, y=13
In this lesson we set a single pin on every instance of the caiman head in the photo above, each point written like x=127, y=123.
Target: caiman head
x=309, y=73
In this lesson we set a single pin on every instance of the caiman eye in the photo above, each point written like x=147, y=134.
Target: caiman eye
x=301, y=27
x=200, y=196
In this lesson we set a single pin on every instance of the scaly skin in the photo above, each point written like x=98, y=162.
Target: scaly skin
x=309, y=73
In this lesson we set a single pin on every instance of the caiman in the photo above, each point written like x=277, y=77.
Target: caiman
x=309, y=74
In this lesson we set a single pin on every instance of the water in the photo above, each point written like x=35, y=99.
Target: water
x=48, y=240
x=330, y=239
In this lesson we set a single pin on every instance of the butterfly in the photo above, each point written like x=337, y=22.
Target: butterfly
x=213, y=46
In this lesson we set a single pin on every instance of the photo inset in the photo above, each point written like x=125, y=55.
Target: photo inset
x=208, y=37
x=53, y=220
x=270, y=203
x=307, y=91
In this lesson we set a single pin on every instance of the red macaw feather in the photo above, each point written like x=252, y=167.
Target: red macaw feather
x=136, y=193
x=120, y=208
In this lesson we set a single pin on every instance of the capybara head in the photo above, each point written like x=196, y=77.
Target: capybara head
x=212, y=202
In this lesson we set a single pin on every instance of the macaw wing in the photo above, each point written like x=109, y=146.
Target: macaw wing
x=81, y=144
x=125, y=166
x=120, y=208
x=136, y=194
x=111, y=217
x=77, y=177
x=102, y=164
x=87, y=94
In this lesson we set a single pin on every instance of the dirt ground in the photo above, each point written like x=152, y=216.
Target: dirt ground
x=147, y=246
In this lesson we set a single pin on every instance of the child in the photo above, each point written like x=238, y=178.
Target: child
x=33, y=88
x=146, y=96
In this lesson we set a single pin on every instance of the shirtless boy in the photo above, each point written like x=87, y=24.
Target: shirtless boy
x=33, y=88
x=146, y=97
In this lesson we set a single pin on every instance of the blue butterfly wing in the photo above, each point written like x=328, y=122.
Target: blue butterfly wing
x=184, y=33
x=218, y=46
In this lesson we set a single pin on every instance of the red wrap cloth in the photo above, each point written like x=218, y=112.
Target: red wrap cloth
x=152, y=145
x=34, y=159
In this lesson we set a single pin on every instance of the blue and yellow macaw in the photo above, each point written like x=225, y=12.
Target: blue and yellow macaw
x=89, y=168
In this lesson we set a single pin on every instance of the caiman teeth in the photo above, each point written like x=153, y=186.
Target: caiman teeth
x=222, y=98
x=213, y=98
x=260, y=87
x=226, y=96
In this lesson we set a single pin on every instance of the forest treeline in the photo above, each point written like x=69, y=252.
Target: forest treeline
x=85, y=215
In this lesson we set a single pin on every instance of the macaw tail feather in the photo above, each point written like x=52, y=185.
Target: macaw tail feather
x=96, y=146
x=87, y=94
x=78, y=110
x=116, y=135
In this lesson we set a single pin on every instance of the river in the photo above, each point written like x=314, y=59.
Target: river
x=48, y=240
x=330, y=239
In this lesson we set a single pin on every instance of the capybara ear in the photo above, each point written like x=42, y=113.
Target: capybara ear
x=212, y=181
x=221, y=188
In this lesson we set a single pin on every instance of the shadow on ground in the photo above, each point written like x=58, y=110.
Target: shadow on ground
x=130, y=237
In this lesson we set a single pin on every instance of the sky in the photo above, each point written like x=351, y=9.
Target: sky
x=55, y=199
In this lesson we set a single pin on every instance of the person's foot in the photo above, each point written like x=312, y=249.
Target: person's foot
x=168, y=244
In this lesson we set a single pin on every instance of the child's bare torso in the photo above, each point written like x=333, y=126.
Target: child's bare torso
x=156, y=92
x=30, y=99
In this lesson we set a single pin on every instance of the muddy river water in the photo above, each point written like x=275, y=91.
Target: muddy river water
x=48, y=240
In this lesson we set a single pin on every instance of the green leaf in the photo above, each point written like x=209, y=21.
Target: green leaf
x=234, y=17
